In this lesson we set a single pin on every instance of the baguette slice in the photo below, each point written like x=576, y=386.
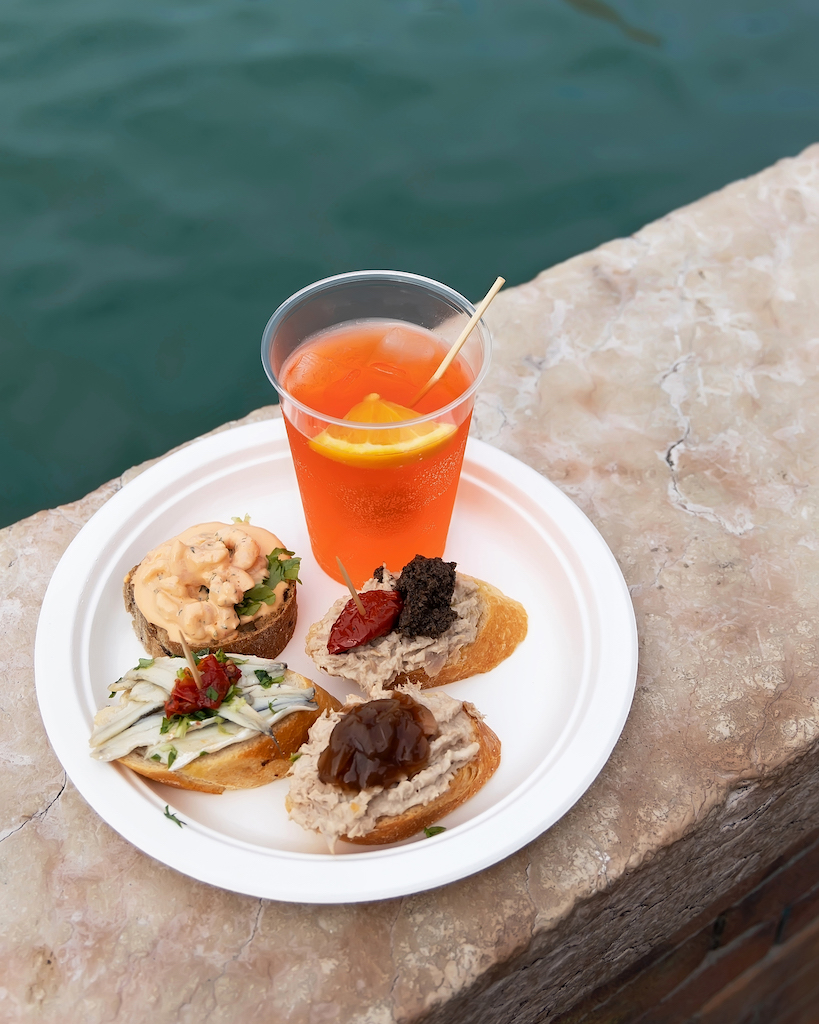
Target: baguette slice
x=247, y=764
x=502, y=624
x=266, y=637
x=418, y=814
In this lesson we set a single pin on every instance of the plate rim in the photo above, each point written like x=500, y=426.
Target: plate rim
x=434, y=862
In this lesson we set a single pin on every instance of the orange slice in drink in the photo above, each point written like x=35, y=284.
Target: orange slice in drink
x=384, y=448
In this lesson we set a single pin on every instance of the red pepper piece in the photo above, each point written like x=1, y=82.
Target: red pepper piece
x=186, y=697
x=381, y=611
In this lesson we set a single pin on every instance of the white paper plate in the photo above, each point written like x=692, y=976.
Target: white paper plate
x=558, y=703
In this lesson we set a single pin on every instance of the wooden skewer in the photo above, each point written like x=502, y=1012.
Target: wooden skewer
x=456, y=348
x=351, y=588
x=197, y=678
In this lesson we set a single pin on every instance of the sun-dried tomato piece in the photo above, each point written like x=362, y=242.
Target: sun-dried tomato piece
x=186, y=697
x=350, y=630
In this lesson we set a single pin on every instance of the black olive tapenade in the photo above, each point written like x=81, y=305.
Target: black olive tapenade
x=426, y=585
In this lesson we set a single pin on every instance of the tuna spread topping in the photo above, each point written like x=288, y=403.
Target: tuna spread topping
x=377, y=663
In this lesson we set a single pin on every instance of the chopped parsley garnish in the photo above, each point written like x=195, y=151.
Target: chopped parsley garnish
x=433, y=830
x=234, y=691
x=113, y=693
x=180, y=723
x=172, y=756
x=219, y=654
x=295, y=757
x=278, y=569
x=265, y=678
x=212, y=693
x=145, y=663
x=172, y=817
x=155, y=757
x=180, y=672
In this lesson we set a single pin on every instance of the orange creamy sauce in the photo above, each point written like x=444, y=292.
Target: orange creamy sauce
x=191, y=583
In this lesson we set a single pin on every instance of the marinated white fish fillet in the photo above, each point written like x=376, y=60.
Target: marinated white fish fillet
x=258, y=700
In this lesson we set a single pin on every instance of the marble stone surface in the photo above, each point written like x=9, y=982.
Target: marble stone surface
x=668, y=384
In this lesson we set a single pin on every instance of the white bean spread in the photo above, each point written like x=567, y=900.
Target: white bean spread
x=377, y=663
x=335, y=811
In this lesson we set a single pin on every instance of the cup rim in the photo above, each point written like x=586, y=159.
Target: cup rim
x=364, y=275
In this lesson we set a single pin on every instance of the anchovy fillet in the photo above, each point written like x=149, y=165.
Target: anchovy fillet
x=137, y=720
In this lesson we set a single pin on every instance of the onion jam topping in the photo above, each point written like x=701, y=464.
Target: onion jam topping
x=378, y=743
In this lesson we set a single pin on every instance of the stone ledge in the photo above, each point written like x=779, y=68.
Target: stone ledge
x=667, y=383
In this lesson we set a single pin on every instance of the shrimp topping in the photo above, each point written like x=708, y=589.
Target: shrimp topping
x=194, y=582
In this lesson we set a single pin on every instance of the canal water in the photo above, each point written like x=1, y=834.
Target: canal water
x=170, y=171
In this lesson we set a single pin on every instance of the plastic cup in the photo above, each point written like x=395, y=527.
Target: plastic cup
x=360, y=508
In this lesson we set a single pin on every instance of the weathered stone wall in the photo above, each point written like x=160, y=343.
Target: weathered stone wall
x=668, y=384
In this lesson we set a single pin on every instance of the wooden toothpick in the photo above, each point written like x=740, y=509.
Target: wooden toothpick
x=351, y=588
x=197, y=678
x=456, y=348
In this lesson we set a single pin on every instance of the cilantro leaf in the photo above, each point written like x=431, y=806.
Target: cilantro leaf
x=172, y=817
x=282, y=568
x=265, y=678
x=278, y=569
x=253, y=599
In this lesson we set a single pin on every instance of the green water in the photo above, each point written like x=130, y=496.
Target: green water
x=169, y=172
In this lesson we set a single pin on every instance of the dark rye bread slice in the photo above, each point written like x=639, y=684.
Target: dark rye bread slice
x=266, y=637
x=247, y=764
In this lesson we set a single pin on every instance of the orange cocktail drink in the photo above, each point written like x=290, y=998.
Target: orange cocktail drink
x=378, y=472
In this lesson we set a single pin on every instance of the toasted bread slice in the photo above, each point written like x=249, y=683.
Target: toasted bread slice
x=371, y=814
x=266, y=637
x=391, y=661
x=247, y=764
